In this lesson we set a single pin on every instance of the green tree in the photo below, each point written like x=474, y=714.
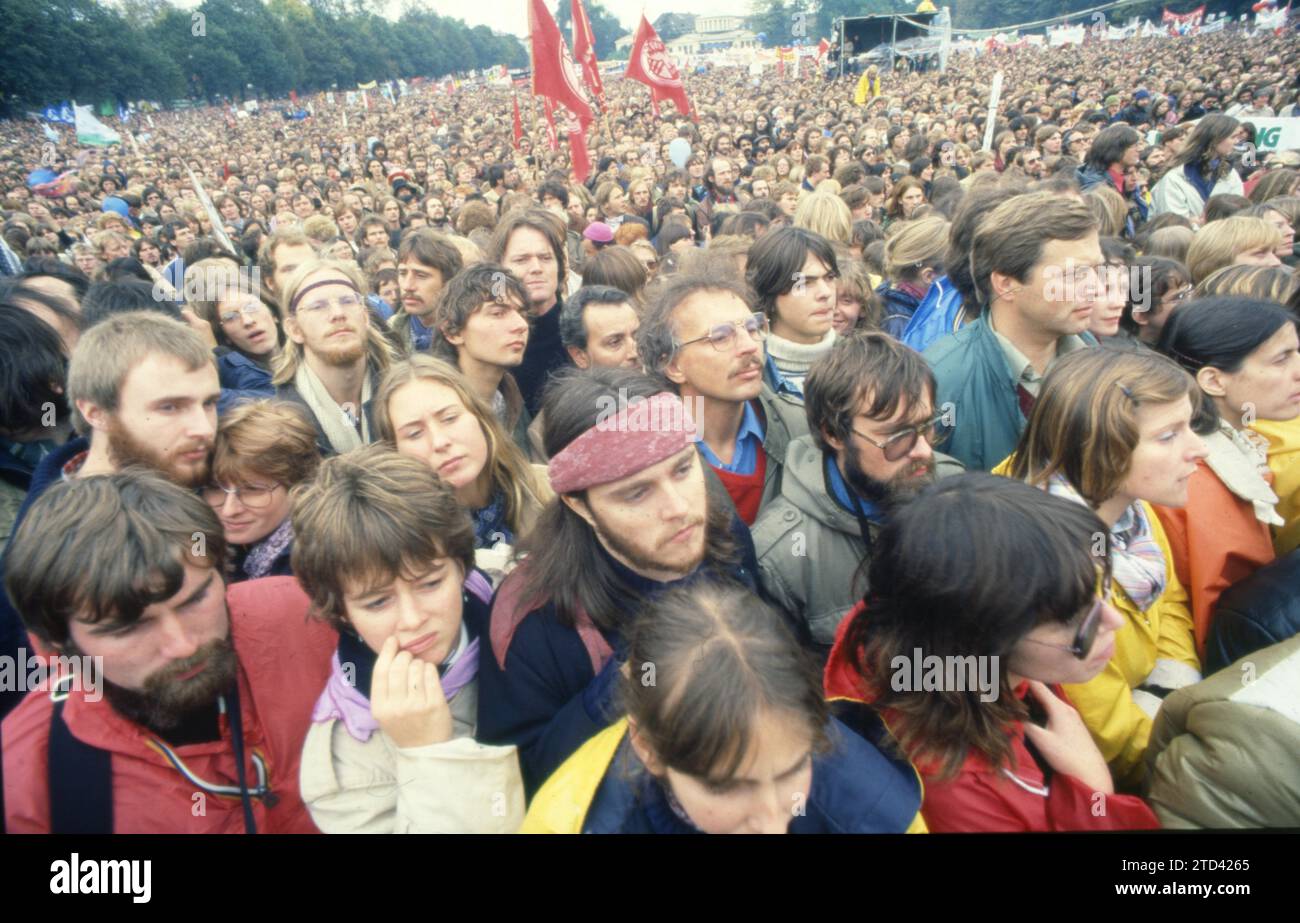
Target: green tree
x=605, y=27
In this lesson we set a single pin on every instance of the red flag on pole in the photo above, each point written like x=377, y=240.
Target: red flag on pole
x=650, y=64
x=555, y=76
x=519, y=124
x=548, y=110
x=578, y=152
x=584, y=50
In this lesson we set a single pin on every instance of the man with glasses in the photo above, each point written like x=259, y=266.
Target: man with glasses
x=704, y=338
x=873, y=428
x=332, y=362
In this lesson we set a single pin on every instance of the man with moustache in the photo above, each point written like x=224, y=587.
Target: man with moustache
x=426, y=261
x=195, y=719
x=143, y=390
x=873, y=426
x=702, y=335
x=333, y=358
x=633, y=516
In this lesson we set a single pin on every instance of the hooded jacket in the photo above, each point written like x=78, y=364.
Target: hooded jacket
x=856, y=787
x=1027, y=797
x=899, y=309
x=939, y=313
x=810, y=547
x=1224, y=752
x=283, y=661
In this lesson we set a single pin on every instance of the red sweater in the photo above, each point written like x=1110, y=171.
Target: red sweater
x=980, y=799
x=746, y=490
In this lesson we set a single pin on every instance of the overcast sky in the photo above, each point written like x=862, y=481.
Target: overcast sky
x=512, y=15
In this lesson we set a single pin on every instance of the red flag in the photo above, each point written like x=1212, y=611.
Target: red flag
x=822, y=47
x=547, y=109
x=519, y=125
x=650, y=64
x=584, y=49
x=578, y=153
x=555, y=76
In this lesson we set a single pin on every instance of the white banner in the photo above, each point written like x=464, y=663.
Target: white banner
x=1277, y=134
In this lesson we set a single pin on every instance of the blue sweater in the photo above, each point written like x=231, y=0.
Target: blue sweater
x=548, y=700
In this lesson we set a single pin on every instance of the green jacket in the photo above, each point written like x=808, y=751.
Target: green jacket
x=1224, y=752
x=977, y=388
x=809, y=547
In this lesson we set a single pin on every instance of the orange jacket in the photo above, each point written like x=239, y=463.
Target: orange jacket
x=284, y=661
x=1215, y=541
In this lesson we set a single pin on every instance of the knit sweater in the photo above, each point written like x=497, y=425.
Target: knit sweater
x=793, y=360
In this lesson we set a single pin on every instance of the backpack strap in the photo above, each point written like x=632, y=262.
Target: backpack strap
x=80, y=780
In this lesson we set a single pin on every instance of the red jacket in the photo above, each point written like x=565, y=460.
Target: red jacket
x=980, y=799
x=284, y=661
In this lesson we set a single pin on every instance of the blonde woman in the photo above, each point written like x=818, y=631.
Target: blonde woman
x=1112, y=429
x=913, y=259
x=826, y=214
x=425, y=408
x=1232, y=241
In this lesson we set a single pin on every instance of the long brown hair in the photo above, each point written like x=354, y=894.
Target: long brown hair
x=506, y=468
x=564, y=563
x=1084, y=423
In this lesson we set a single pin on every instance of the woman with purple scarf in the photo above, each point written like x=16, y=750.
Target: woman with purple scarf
x=262, y=451
x=387, y=556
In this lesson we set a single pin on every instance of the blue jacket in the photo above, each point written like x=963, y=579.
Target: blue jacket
x=241, y=379
x=547, y=698
x=860, y=785
x=900, y=308
x=974, y=381
x=936, y=315
x=13, y=635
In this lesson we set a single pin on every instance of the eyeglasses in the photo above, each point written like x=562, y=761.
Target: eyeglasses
x=253, y=496
x=897, y=446
x=317, y=307
x=723, y=336
x=1081, y=646
x=249, y=309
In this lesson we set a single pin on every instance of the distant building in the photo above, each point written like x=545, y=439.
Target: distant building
x=714, y=33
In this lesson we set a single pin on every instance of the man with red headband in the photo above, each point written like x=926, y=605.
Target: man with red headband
x=633, y=516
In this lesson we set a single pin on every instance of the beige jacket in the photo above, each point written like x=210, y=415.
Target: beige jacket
x=374, y=786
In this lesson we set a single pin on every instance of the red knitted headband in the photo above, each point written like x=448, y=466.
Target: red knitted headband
x=642, y=433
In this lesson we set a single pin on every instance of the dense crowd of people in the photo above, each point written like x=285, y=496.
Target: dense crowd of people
x=837, y=476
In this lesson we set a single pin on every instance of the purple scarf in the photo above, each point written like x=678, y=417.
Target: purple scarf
x=262, y=557
x=342, y=701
